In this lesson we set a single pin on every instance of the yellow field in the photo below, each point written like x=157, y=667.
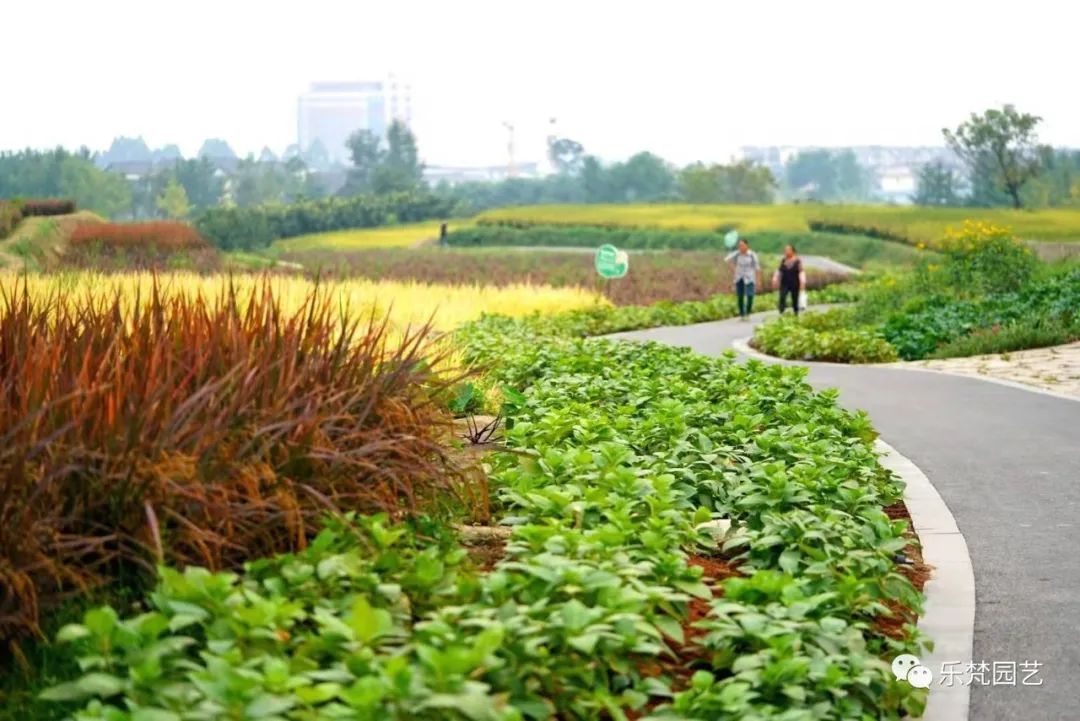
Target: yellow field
x=913, y=223
x=672, y=216
x=394, y=236
x=407, y=304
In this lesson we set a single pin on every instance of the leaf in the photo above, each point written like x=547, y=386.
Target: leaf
x=475, y=705
x=695, y=588
x=72, y=632
x=268, y=705
x=575, y=615
x=671, y=628
x=586, y=642
x=64, y=692
x=154, y=714
x=101, y=685
x=100, y=621
x=183, y=620
x=368, y=623
x=789, y=560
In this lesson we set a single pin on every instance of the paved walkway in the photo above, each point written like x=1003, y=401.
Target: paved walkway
x=1007, y=463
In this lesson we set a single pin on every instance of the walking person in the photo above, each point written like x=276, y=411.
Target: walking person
x=791, y=278
x=746, y=274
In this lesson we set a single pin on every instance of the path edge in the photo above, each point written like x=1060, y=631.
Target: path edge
x=742, y=345
x=949, y=614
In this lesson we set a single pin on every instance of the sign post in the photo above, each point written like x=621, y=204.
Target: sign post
x=611, y=262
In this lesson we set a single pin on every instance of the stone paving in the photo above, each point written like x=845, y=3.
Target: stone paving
x=1056, y=368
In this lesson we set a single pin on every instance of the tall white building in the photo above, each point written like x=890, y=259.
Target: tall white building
x=332, y=111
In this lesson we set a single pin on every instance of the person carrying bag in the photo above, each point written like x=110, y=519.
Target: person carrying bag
x=791, y=279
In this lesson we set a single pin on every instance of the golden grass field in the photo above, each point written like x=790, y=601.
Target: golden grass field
x=914, y=223
x=406, y=304
x=393, y=236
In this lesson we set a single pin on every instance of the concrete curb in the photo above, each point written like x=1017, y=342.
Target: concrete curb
x=742, y=345
x=949, y=616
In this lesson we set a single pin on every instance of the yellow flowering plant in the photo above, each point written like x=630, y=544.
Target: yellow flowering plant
x=980, y=257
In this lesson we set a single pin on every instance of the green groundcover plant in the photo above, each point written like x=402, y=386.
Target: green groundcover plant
x=615, y=454
x=829, y=336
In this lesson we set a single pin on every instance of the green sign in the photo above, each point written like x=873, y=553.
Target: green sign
x=611, y=262
x=731, y=239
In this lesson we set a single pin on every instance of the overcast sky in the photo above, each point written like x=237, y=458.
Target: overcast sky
x=685, y=79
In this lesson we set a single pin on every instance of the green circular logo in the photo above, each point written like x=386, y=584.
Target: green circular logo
x=611, y=262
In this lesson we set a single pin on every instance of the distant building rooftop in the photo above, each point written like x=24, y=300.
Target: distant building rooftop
x=347, y=87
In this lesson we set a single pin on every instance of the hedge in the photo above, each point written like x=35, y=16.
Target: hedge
x=14, y=210
x=257, y=227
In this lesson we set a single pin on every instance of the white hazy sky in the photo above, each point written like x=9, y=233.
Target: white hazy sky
x=685, y=79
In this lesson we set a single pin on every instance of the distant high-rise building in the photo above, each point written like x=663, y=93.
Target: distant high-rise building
x=332, y=111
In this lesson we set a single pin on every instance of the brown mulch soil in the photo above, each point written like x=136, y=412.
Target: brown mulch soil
x=487, y=552
x=917, y=572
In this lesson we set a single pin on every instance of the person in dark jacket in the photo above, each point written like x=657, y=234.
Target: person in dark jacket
x=790, y=278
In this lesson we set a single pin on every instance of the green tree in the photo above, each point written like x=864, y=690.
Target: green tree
x=400, y=168
x=173, y=201
x=256, y=183
x=379, y=167
x=200, y=181
x=366, y=151
x=936, y=185
x=740, y=183
x=566, y=155
x=827, y=175
x=594, y=181
x=92, y=189
x=1002, y=140
x=644, y=177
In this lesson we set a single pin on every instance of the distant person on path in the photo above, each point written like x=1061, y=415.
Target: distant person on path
x=791, y=278
x=746, y=274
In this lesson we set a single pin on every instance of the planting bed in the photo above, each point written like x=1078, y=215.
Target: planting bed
x=606, y=600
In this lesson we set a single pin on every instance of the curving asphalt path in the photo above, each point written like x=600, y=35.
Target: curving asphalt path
x=1007, y=463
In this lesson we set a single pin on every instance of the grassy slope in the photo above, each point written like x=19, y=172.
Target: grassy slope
x=38, y=242
x=919, y=224
x=394, y=236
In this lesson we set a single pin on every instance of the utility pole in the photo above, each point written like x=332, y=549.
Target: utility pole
x=511, y=169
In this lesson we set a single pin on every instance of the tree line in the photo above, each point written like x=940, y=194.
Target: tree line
x=1005, y=166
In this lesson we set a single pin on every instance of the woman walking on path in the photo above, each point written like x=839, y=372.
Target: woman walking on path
x=791, y=278
x=746, y=272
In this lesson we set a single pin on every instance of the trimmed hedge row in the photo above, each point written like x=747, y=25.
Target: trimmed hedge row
x=850, y=249
x=872, y=231
x=13, y=211
x=569, y=236
x=258, y=227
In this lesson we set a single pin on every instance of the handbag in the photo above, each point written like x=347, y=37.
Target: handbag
x=803, y=300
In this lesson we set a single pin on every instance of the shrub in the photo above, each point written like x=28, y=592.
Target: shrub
x=174, y=428
x=47, y=206
x=10, y=215
x=823, y=337
x=164, y=235
x=1003, y=339
x=981, y=258
x=257, y=227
